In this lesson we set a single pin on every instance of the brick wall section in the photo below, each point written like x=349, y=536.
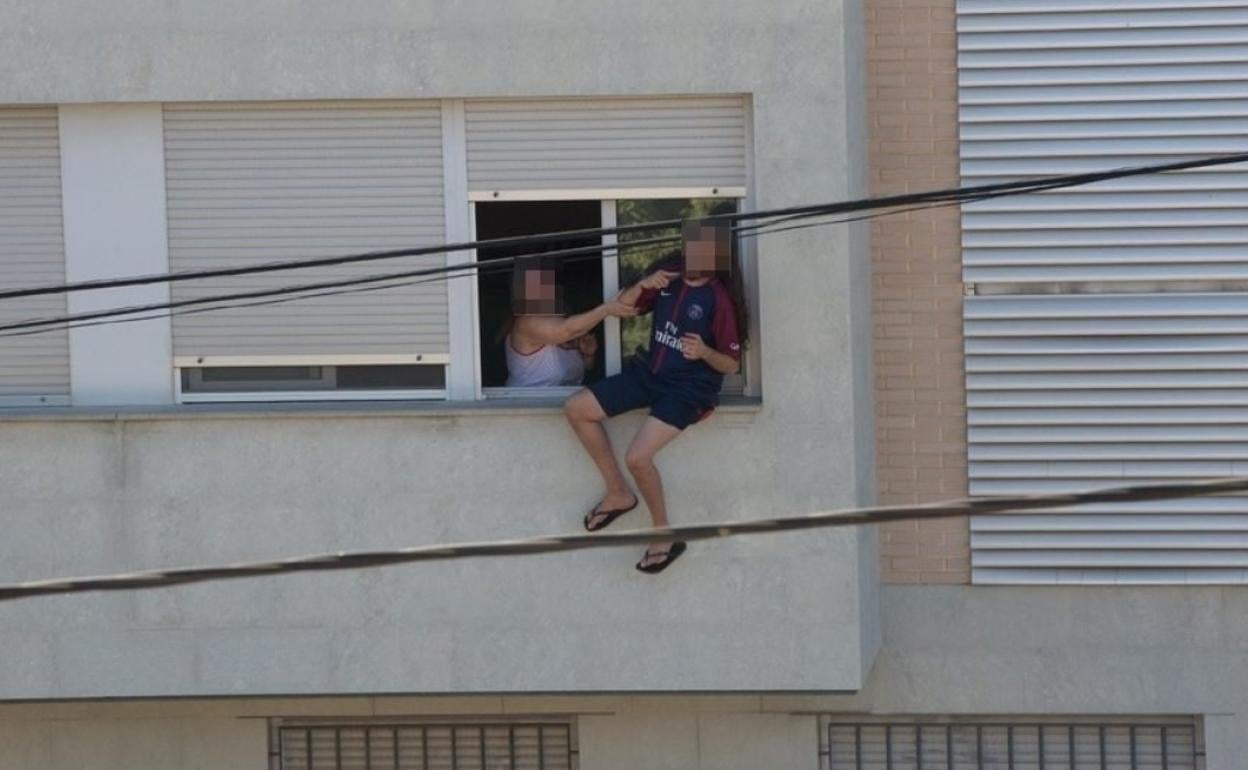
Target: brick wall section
x=919, y=392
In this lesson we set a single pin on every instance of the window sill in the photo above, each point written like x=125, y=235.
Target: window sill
x=511, y=407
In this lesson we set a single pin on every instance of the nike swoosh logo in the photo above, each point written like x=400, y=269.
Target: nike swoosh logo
x=665, y=294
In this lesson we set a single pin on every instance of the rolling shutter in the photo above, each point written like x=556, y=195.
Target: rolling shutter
x=589, y=145
x=33, y=368
x=1074, y=86
x=1109, y=385
x=253, y=183
x=1033, y=744
x=1077, y=392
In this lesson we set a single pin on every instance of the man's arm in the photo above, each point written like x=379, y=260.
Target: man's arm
x=641, y=294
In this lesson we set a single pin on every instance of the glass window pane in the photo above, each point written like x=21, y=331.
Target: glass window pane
x=392, y=377
x=635, y=261
x=260, y=373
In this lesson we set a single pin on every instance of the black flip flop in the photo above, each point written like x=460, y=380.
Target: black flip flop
x=655, y=568
x=608, y=516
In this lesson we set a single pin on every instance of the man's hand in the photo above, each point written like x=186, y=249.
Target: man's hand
x=692, y=346
x=658, y=280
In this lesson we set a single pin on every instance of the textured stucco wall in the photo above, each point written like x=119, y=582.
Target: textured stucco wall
x=88, y=497
x=100, y=496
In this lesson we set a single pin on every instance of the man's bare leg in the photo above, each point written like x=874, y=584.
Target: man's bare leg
x=585, y=416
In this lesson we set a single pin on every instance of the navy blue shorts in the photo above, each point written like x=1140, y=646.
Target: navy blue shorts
x=636, y=387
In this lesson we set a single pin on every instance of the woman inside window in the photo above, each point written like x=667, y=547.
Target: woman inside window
x=545, y=348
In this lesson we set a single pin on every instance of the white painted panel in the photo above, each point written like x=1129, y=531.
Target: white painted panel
x=114, y=187
x=33, y=368
x=257, y=182
x=1068, y=87
x=1059, y=401
x=600, y=144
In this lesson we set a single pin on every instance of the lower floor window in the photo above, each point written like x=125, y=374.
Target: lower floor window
x=468, y=746
x=999, y=744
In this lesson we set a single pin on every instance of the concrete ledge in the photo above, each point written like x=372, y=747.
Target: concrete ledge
x=741, y=405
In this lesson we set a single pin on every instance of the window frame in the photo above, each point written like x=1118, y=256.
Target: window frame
x=261, y=395
x=613, y=359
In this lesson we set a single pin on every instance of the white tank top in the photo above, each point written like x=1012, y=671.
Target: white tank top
x=548, y=366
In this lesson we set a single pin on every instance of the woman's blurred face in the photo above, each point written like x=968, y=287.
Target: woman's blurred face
x=541, y=295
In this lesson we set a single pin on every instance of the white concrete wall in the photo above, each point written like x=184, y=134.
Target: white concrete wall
x=104, y=494
x=614, y=733
x=113, y=188
x=97, y=741
x=698, y=740
x=91, y=496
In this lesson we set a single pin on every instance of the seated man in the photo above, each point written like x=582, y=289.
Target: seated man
x=544, y=347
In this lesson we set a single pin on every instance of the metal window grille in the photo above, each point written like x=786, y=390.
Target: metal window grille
x=1009, y=746
x=503, y=746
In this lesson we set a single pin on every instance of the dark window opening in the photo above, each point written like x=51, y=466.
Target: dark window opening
x=581, y=276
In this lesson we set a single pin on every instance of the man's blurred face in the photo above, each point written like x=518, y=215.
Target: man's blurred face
x=708, y=252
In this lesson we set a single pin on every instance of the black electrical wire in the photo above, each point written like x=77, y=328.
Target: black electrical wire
x=232, y=300
x=908, y=199
x=467, y=270
x=392, y=280
x=59, y=321
x=955, y=196
x=325, y=562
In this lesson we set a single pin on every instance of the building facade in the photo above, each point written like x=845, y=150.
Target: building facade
x=1057, y=341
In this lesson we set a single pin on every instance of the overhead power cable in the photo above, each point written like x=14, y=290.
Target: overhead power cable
x=981, y=506
x=385, y=281
x=893, y=201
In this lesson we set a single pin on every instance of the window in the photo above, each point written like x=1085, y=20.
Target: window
x=272, y=383
x=580, y=277
x=585, y=280
x=1005, y=745
x=454, y=746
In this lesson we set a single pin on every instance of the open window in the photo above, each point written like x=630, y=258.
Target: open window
x=586, y=280
x=580, y=277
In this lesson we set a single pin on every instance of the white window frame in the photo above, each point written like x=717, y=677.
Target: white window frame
x=225, y=362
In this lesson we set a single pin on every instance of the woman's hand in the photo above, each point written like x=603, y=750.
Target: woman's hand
x=692, y=346
x=619, y=308
x=588, y=345
x=658, y=280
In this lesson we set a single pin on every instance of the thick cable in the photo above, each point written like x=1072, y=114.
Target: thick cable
x=563, y=543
